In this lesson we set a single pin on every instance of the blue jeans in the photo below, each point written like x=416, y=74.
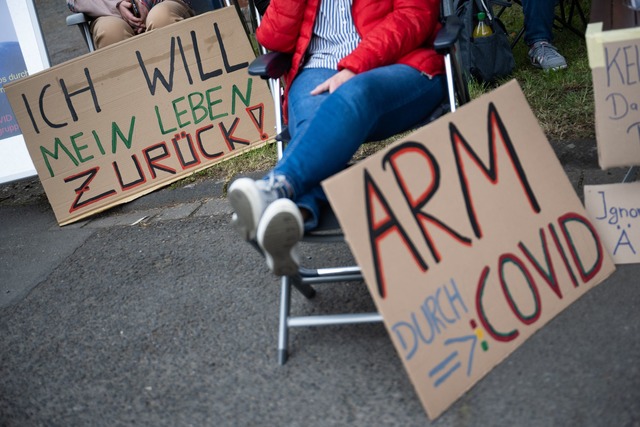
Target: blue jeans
x=538, y=20
x=327, y=129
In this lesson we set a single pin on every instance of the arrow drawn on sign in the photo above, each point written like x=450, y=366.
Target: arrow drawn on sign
x=451, y=364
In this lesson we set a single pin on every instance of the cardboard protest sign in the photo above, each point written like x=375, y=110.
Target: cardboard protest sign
x=470, y=238
x=121, y=122
x=613, y=57
x=615, y=212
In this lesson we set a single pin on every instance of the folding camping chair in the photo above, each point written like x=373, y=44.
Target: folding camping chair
x=84, y=22
x=272, y=66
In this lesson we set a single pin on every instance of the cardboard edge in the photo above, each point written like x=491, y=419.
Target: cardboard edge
x=594, y=45
x=596, y=37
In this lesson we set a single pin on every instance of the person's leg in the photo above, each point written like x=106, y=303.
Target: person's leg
x=166, y=13
x=538, y=26
x=302, y=106
x=371, y=106
x=107, y=30
x=538, y=20
x=328, y=129
x=250, y=198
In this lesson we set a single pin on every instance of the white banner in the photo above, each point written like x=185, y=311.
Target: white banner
x=22, y=52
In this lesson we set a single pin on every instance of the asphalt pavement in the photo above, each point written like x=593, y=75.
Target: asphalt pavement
x=154, y=313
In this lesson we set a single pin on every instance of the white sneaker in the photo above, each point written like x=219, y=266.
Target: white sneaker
x=248, y=202
x=279, y=231
x=250, y=198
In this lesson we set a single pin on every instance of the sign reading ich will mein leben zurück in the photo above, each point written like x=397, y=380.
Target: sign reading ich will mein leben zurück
x=470, y=238
x=123, y=121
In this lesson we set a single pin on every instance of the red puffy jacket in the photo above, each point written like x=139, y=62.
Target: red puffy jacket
x=391, y=32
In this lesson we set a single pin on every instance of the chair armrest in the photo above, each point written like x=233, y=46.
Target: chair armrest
x=77, y=19
x=271, y=65
x=448, y=34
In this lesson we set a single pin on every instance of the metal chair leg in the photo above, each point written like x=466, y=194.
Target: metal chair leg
x=82, y=22
x=283, y=329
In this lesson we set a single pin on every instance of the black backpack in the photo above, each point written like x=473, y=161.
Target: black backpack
x=484, y=58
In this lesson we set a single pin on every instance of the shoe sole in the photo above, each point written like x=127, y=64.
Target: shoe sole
x=537, y=65
x=558, y=68
x=241, y=194
x=278, y=234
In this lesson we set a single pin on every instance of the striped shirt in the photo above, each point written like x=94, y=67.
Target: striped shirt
x=334, y=35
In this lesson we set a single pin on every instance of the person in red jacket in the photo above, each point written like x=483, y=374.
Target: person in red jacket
x=361, y=70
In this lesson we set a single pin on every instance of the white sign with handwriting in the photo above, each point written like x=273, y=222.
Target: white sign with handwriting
x=615, y=212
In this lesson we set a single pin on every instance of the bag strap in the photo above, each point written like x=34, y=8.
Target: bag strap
x=484, y=5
